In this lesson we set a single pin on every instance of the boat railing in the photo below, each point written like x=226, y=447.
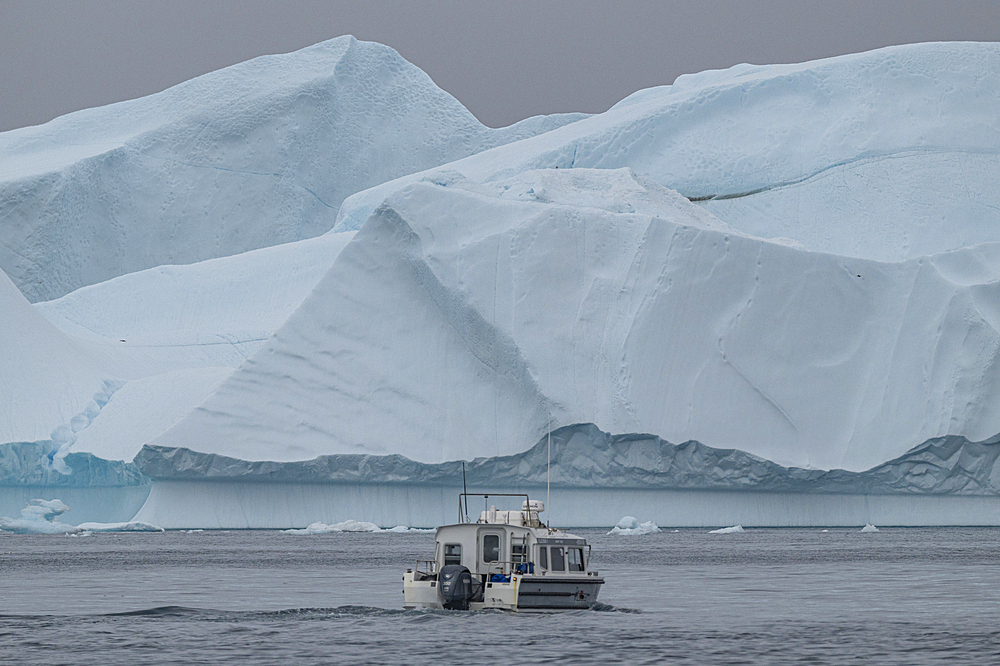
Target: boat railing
x=505, y=568
x=463, y=516
x=426, y=568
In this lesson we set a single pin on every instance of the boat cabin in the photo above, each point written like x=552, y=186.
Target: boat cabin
x=510, y=559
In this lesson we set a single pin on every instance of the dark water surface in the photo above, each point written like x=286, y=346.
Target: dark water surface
x=768, y=596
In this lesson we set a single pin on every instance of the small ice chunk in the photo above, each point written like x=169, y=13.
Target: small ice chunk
x=869, y=528
x=134, y=526
x=346, y=526
x=39, y=517
x=735, y=529
x=352, y=526
x=630, y=526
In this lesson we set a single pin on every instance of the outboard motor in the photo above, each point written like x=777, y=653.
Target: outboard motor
x=455, y=587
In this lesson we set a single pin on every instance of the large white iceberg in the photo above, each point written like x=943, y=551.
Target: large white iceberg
x=753, y=297
x=483, y=313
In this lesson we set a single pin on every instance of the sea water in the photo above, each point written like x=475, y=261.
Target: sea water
x=763, y=596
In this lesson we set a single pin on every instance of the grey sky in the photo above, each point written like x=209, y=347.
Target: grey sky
x=503, y=60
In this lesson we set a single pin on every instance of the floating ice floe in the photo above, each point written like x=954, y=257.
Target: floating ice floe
x=869, y=528
x=39, y=517
x=134, y=526
x=630, y=526
x=350, y=526
x=42, y=517
x=735, y=529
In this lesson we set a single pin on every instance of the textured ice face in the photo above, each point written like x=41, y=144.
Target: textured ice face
x=582, y=456
x=484, y=310
x=886, y=155
x=49, y=381
x=253, y=155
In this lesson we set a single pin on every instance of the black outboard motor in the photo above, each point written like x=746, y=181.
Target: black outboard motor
x=455, y=587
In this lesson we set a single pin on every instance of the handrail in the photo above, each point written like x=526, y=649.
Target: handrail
x=430, y=570
x=505, y=568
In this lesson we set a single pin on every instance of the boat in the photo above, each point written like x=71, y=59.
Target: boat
x=506, y=560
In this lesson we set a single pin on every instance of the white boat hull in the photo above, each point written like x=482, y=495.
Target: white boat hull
x=523, y=593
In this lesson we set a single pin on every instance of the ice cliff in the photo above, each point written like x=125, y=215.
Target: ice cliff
x=585, y=457
x=487, y=308
x=788, y=276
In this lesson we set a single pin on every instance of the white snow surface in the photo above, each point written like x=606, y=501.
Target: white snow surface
x=484, y=310
x=144, y=408
x=212, y=313
x=49, y=381
x=249, y=156
x=132, y=355
x=886, y=155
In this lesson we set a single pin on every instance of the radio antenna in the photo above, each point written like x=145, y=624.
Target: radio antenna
x=465, y=493
x=548, y=473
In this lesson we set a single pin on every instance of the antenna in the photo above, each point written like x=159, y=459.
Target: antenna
x=465, y=493
x=548, y=473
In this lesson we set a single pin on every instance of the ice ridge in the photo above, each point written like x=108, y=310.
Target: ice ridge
x=249, y=156
x=30, y=464
x=583, y=456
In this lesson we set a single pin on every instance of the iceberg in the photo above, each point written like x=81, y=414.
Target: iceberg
x=42, y=517
x=735, y=529
x=750, y=298
x=132, y=526
x=39, y=517
x=630, y=526
x=346, y=526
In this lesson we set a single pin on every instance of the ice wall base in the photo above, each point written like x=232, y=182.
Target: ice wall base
x=248, y=505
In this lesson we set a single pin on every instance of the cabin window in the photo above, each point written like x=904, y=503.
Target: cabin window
x=452, y=553
x=575, y=558
x=543, y=557
x=558, y=563
x=517, y=552
x=491, y=548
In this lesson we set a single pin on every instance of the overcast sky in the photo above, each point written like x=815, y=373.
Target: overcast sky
x=503, y=60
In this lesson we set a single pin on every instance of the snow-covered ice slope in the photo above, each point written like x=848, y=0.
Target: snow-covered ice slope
x=256, y=154
x=886, y=155
x=213, y=313
x=487, y=307
x=47, y=381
